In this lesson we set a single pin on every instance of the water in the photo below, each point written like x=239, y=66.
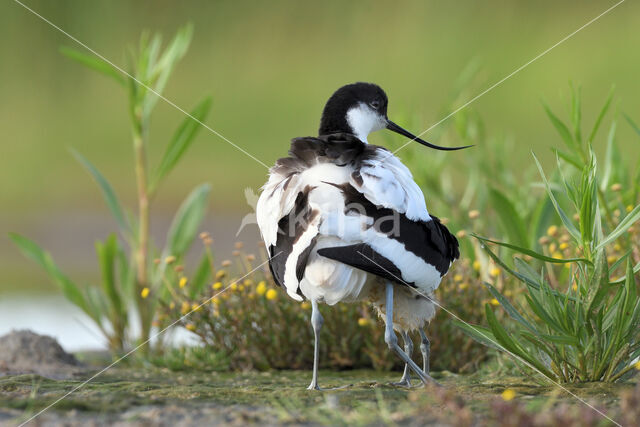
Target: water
x=50, y=315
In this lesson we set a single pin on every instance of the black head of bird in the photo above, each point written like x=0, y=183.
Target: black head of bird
x=361, y=108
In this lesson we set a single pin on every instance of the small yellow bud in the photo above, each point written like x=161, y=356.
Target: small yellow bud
x=271, y=294
x=190, y=327
x=178, y=268
x=196, y=307
x=508, y=395
x=170, y=259
x=552, y=231
x=629, y=208
x=216, y=286
x=183, y=282
x=238, y=245
x=476, y=265
x=474, y=214
x=241, y=288
x=457, y=278
x=616, y=187
x=574, y=287
x=215, y=300
x=226, y=263
x=552, y=247
x=637, y=365
x=185, y=307
x=461, y=234
x=233, y=286
x=247, y=282
x=563, y=246
x=306, y=305
x=204, y=235
x=220, y=274
x=544, y=240
x=363, y=321
x=145, y=293
x=463, y=286
x=172, y=305
x=495, y=272
x=261, y=289
x=235, y=253
x=611, y=259
x=495, y=302
x=617, y=247
x=251, y=257
x=557, y=255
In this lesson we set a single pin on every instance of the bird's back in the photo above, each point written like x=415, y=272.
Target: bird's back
x=337, y=212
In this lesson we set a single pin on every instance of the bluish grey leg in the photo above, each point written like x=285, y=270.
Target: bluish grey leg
x=392, y=341
x=425, y=348
x=405, y=381
x=316, y=323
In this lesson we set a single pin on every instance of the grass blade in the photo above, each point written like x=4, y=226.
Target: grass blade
x=180, y=142
x=627, y=222
x=107, y=192
x=95, y=63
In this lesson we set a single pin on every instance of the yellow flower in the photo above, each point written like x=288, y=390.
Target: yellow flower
x=563, y=246
x=574, y=287
x=247, y=282
x=172, y=305
x=552, y=231
x=611, y=259
x=476, y=265
x=629, y=208
x=216, y=286
x=220, y=274
x=617, y=247
x=474, y=214
x=552, y=247
x=185, y=307
x=183, y=282
x=145, y=293
x=495, y=272
x=463, y=286
x=305, y=305
x=616, y=187
x=508, y=394
x=271, y=294
x=233, y=286
x=557, y=255
x=363, y=321
x=169, y=259
x=457, y=278
x=461, y=234
x=494, y=302
x=241, y=288
x=215, y=300
x=191, y=327
x=195, y=307
x=226, y=263
x=261, y=289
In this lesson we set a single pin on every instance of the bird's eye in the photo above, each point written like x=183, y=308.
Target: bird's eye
x=375, y=104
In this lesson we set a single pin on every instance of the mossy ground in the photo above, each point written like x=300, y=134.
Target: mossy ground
x=152, y=394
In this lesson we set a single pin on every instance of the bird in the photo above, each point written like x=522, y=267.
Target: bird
x=344, y=221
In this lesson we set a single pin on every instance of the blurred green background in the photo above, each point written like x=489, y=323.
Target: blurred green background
x=270, y=66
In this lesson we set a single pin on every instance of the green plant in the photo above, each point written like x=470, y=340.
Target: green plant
x=131, y=283
x=581, y=323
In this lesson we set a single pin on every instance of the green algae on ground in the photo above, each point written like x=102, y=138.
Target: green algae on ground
x=280, y=394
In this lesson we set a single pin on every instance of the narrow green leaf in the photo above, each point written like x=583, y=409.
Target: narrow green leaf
x=531, y=253
x=107, y=192
x=481, y=334
x=31, y=250
x=107, y=254
x=95, y=63
x=571, y=228
x=180, y=142
x=622, y=227
x=603, y=112
x=187, y=220
x=633, y=124
x=561, y=128
x=201, y=276
x=509, y=308
x=510, y=220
